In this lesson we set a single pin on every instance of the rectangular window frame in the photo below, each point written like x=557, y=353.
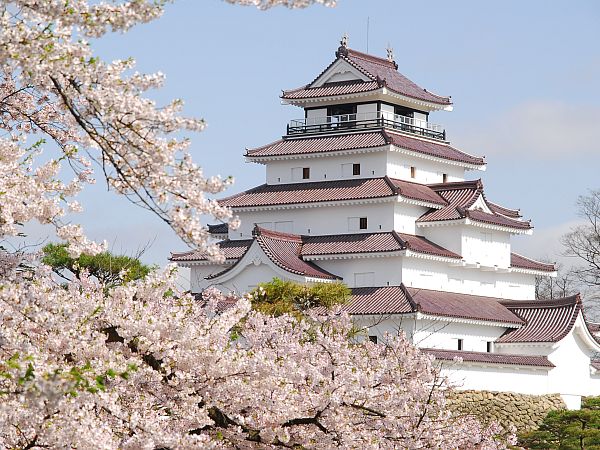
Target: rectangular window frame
x=356, y=169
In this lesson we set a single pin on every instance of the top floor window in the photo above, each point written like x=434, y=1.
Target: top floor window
x=355, y=169
x=305, y=173
x=413, y=172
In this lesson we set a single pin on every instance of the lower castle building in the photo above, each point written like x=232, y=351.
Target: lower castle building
x=364, y=189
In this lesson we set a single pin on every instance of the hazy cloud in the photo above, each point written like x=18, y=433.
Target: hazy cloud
x=548, y=129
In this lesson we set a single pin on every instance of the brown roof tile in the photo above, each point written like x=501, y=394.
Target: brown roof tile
x=219, y=228
x=417, y=191
x=512, y=213
x=379, y=300
x=546, y=320
x=231, y=249
x=381, y=73
x=320, y=191
x=436, y=149
x=370, y=243
x=327, y=191
x=489, y=358
x=322, y=144
x=401, y=300
x=522, y=262
x=465, y=306
x=341, y=142
x=463, y=195
x=284, y=250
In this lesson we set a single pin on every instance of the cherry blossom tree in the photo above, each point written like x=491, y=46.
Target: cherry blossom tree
x=142, y=365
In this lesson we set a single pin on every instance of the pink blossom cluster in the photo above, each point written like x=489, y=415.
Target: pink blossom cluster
x=145, y=366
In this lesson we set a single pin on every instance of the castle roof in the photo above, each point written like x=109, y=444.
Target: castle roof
x=489, y=358
x=379, y=73
x=546, y=320
x=312, y=247
x=355, y=141
x=331, y=191
x=232, y=250
x=466, y=200
x=401, y=300
x=522, y=262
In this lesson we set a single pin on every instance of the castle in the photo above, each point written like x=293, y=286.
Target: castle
x=366, y=190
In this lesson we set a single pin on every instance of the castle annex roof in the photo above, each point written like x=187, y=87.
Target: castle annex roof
x=466, y=200
x=489, y=358
x=522, y=262
x=379, y=73
x=232, y=250
x=546, y=320
x=402, y=300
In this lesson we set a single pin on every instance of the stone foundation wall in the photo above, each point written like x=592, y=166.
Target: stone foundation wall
x=524, y=412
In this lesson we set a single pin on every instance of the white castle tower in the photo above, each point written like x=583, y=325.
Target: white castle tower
x=366, y=190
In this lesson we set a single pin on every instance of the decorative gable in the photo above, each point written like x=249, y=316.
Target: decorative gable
x=339, y=71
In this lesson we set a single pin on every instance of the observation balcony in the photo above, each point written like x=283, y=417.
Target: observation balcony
x=361, y=121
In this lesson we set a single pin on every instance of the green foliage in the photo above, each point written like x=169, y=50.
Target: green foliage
x=567, y=430
x=109, y=269
x=279, y=297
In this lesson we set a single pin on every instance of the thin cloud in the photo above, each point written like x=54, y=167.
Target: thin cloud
x=548, y=129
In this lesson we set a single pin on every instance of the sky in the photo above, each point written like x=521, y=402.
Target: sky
x=524, y=78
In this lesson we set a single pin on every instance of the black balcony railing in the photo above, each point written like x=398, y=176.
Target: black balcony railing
x=379, y=119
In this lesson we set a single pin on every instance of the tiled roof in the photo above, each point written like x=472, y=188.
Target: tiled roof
x=371, y=139
x=331, y=89
x=220, y=228
x=465, y=306
x=380, y=71
x=222, y=305
x=522, y=262
x=379, y=300
x=322, y=144
x=489, y=358
x=231, y=249
x=327, y=191
x=436, y=149
x=370, y=243
x=461, y=196
x=595, y=363
x=400, y=300
x=546, y=320
x=417, y=191
x=284, y=250
x=512, y=213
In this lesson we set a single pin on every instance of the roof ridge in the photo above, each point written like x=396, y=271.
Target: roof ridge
x=456, y=185
x=371, y=58
x=571, y=300
x=272, y=234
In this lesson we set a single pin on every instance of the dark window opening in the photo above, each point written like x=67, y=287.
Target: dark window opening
x=401, y=111
x=460, y=344
x=444, y=178
x=489, y=347
x=355, y=169
x=305, y=173
x=373, y=339
x=413, y=172
x=362, y=223
x=341, y=110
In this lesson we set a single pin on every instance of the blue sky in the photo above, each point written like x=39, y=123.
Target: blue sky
x=524, y=77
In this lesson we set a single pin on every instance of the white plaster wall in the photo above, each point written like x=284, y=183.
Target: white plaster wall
x=315, y=221
x=366, y=111
x=428, y=274
x=316, y=116
x=449, y=237
x=405, y=216
x=249, y=278
x=386, y=271
x=497, y=378
x=486, y=247
x=399, y=164
x=444, y=335
x=327, y=168
x=198, y=274
x=572, y=375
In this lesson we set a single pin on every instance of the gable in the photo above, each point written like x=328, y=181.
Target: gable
x=480, y=205
x=339, y=71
